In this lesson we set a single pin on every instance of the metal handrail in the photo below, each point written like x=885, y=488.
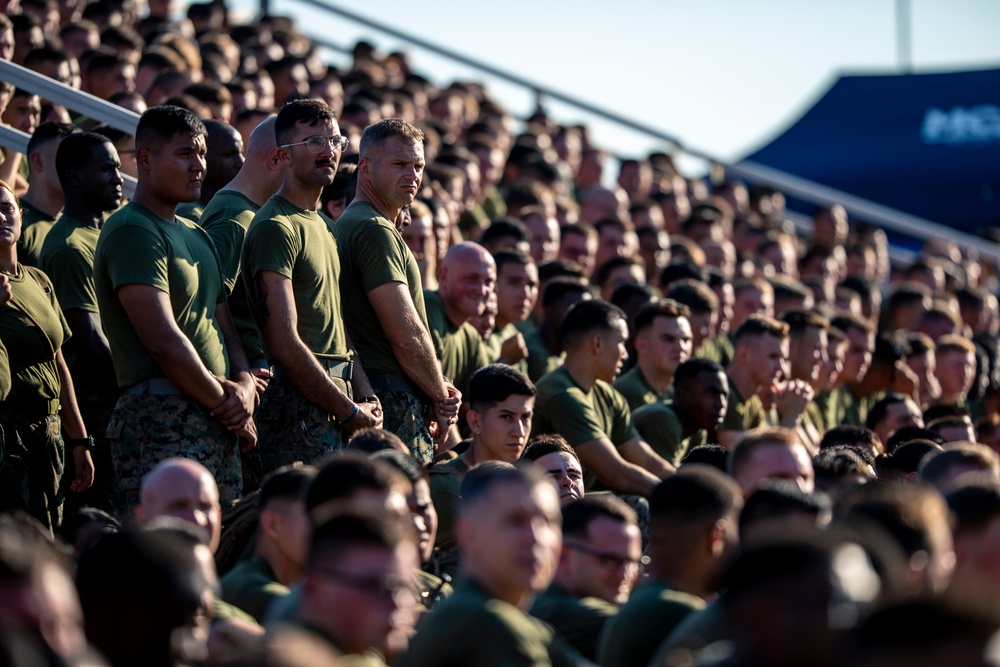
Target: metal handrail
x=18, y=141
x=71, y=98
x=859, y=207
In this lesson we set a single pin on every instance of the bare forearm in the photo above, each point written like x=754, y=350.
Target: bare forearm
x=648, y=460
x=416, y=356
x=72, y=421
x=629, y=478
x=310, y=379
x=182, y=365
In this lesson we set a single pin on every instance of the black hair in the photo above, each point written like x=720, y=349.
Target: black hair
x=495, y=383
x=74, y=153
x=47, y=132
x=587, y=318
x=312, y=112
x=160, y=124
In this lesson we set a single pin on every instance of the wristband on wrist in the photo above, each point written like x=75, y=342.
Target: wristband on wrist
x=87, y=442
x=354, y=413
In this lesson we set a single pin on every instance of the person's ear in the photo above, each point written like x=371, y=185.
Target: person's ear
x=474, y=420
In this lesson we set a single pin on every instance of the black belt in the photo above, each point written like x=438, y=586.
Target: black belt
x=335, y=368
x=391, y=382
x=31, y=410
x=154, y=387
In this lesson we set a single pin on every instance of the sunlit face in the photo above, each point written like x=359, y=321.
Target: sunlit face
x=579, y=248
x=544, y=237
x=424, y=518
x=24, y=112
x=605, y=562
x=666, y=343
x=510, y=540
x=955, y=371
x=366, y=599
x=191, y=497
x=500, y=432
x=565, y=471
x=612, y=353
x=749, y=301
x=898, y=415
x=176, y=169
x=10, y=219
x=395, y=169
x=466, y=281
x=858, y=356
x=517, y=291
x=776, y=461
x=764, y=357
x=315, y=170
x=807, y=354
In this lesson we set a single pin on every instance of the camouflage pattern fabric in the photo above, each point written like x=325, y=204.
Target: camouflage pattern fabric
x=403, y=414
x=291, y=428
x=32, y=462
x=146, y=429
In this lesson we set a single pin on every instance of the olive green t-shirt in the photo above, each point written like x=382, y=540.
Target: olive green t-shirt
x=633, y=386
x=35, y=226
x=445, y=480
x=32, y=328
x=563, y=407
x=68, y=258
x=578, y=621
x=460, y=349
x=742, y=414
x=372, y=254
x=299, y=245
x=495, y=347
x=650, y=615
x=540, y=358
x=191, y=210
x=719, y=349
x=226, y=219
x=136, y=247
x=660, y=426
x=473, y=628
x=252, y=587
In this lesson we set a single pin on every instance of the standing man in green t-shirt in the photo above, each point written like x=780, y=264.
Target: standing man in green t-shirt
x=88, y=169
x=43, y=201
x=663, y=341
x=291, y=262
x=227, y=218
x=186, y=384
x=383, y=298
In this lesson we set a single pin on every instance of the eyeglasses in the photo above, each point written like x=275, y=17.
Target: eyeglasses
x=605, y=559
x=384, y=587
x=317, y=143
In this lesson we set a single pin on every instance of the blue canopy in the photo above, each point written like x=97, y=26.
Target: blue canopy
x=926, y=144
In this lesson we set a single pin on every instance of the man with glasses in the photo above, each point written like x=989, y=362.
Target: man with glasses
x=598, y=566
x=292, y=267
x=692, y=536
x=358, y=594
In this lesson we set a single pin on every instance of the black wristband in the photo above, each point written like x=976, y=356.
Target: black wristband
x=354, y=413
x=87, y=442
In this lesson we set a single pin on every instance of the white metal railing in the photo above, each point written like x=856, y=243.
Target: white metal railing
x=71, y=98
x=857, y=207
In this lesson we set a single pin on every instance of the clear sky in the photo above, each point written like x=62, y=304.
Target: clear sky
x=724, y=76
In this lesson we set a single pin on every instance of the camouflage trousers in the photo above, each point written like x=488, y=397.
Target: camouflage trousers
x=403, y=414
x=32, y=462
x=291, y=428
x=146, y=429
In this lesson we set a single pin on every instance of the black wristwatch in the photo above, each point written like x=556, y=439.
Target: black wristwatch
x=87, y=442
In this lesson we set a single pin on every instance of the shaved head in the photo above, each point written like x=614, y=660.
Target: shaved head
x=183, y=489
x=466, y=278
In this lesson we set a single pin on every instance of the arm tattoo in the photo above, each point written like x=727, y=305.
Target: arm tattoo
x=262, y=298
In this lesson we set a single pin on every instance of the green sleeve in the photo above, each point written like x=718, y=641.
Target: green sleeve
x=72, y=279
x=271, y=246
x=571, y=416
x=660, y=428
x=142, y=258
x=228, y=239
x=379, y=257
